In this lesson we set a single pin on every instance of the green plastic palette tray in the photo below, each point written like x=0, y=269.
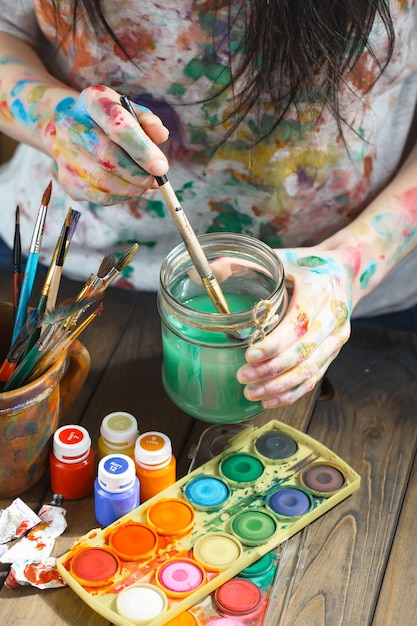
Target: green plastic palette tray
x=169, y=553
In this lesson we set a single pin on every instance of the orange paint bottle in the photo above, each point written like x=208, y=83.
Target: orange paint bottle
x=155, y=463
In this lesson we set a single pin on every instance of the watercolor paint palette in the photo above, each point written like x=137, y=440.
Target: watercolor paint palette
x=171, y=552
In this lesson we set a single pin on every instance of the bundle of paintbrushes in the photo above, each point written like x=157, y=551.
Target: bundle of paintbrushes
x=43, y=334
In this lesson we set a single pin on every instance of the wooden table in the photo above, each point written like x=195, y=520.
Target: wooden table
x=357, y=563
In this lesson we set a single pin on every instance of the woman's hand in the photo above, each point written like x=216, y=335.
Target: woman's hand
x=291, y=360
x=102, y=154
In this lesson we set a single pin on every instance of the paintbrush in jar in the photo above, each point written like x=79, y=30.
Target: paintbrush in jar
x=115, y=271
x=64, y=242
x=50, y=285
x=90, y=287
x=60, y=347
x=188, y=235
x=24, y=368
x=18, y=347
x=17, y=262
x=34, y=322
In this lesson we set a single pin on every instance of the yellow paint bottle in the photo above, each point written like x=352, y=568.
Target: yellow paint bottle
x=118, y=434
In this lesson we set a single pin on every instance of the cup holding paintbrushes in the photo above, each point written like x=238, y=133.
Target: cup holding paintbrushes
x=30, y=414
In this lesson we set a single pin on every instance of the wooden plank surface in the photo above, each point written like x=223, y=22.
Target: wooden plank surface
x=371, y=423
x=397, y=600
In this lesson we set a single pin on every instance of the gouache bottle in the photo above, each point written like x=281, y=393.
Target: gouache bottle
x=72, y=469
x=118, y=434
x=116, y=488
x=155, y=463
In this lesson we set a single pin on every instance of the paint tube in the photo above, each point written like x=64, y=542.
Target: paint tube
x=40, y=540
x=16, y=520
x=42, y=574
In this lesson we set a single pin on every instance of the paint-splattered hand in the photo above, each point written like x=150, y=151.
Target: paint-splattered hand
x=291, y=360
x=102, y=154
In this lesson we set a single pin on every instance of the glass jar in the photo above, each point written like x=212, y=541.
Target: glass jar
x=203, y=349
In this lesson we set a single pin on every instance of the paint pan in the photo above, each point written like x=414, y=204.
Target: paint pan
x=322, y=479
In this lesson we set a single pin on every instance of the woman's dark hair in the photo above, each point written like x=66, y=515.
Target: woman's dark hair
x=292, y=50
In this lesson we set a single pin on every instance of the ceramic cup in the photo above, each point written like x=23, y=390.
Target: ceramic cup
x=30, y=414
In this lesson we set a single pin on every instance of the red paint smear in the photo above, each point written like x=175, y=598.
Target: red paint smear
x=11, y=582
x=354, y=259
x=98, y=88
x=109, y=166
x=109, y=108
x=5, y=111
x=23, y=528
x=409, y=200
x=39, y=574
x=301, y=326
x=50, y=129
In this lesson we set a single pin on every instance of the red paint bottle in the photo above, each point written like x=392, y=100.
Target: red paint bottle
x=72, y=469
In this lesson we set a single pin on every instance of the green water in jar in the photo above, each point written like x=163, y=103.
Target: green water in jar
x=201, y=379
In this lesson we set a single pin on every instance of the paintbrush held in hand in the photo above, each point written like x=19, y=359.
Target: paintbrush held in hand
x=187, y=233
x=43, y=334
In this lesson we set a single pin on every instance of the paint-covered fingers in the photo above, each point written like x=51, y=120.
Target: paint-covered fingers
x=87, y=177
x=91, y=184
x=138, y=139
x=296, y=340
x=90, y=165
x=294, y=356
x=292, y=384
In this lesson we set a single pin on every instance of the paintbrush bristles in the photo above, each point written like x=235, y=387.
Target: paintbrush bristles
x=46, y=197
x=126, y=257
x=108, y=262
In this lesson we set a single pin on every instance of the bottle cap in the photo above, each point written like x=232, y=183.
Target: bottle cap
x=119, y=429
x=116, y=473
x=153, y=449
x=71, y=444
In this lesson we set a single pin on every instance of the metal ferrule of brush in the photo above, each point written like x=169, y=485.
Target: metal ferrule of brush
x=215, y=293
x=38, y=230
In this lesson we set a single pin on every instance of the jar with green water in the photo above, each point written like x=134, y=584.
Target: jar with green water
x=203, y=349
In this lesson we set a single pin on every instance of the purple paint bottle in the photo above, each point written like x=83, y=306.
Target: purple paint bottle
x=116, y=488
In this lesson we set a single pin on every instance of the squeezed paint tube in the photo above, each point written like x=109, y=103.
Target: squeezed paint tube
x=40, y=540
x=42, y=574
x=16, y=520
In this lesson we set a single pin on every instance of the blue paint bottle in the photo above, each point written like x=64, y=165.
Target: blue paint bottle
x=116, y=488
